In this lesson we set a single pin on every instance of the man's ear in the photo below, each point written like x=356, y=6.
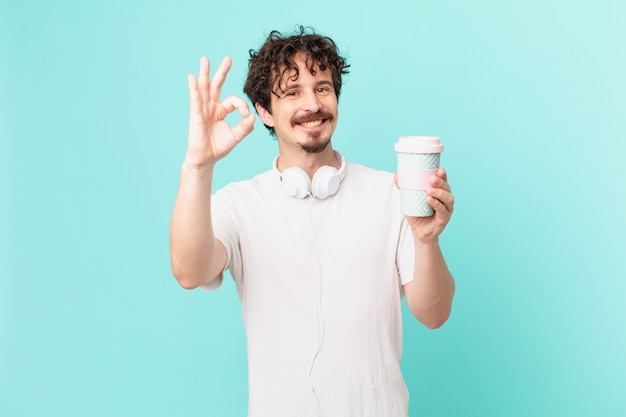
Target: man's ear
x=265, y=115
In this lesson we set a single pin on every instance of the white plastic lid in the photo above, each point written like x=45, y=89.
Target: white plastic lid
x=419, y=144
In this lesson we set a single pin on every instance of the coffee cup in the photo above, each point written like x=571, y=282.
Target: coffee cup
x=418, y=161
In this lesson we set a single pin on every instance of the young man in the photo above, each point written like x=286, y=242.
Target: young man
x=319, y=251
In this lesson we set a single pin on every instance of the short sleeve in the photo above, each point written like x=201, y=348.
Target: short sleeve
x=226, y=231
x=405, y=257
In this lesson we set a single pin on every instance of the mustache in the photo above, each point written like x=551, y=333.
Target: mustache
x=310, y=117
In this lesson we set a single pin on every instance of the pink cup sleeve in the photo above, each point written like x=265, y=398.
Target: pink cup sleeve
x=415, y=179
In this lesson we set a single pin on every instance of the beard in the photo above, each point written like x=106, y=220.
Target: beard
x=316, y=145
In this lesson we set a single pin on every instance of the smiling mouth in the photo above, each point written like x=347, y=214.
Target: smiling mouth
x=312, y=123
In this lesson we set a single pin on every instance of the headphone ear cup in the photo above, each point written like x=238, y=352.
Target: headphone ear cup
x=325, y=182
x=296, y=182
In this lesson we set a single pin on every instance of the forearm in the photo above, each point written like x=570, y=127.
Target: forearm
x=430, y=294
x=193, y=251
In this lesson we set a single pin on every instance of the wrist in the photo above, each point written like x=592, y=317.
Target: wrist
x=197, y=173
x=424, y=236
x=429, y=243
x=193, y=163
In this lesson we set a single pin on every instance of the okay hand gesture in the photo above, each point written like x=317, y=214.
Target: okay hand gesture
x=210, y=137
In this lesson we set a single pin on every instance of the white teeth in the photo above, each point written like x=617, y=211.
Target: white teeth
x=311, y=124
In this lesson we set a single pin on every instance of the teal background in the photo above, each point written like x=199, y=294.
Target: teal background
x=529, y=98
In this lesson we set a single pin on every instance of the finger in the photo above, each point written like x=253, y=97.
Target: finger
x=441, y=173
x=195, y=105
x=444, y=197
x=246, y=124
x=440, y=180
x=203, y=78
x=395, y=179
x=230, y=104
x=440, y=208
x=244, y=127
x=215, y=89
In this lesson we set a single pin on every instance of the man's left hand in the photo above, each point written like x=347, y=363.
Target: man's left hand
x=428, y=229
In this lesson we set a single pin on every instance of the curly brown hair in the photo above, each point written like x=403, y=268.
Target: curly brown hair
x=268, y=65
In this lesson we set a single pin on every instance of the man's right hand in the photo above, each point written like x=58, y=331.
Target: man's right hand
x=210, y=137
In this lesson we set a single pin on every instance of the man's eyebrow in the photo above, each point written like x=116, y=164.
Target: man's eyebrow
x=324, y=82
x=289, y=85
x=295, y=85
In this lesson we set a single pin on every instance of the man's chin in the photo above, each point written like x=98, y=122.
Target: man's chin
x=315, y=146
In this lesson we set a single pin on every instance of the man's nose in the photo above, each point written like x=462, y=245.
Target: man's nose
x=311, y=102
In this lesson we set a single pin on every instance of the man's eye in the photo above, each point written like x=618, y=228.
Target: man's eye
x=291, y=93
x=323, y=90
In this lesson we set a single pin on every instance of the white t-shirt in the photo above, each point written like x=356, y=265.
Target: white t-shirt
x=320, y=284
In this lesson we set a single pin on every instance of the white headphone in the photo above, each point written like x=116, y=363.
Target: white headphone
x=325, y=183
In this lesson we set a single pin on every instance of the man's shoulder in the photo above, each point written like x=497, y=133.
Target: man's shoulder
x=361, y=172
x=361, y=179
x=247, y=186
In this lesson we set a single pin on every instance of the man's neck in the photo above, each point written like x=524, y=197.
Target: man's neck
x=309, y=162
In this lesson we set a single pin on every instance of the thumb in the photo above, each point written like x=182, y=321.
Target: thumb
x=244, y=127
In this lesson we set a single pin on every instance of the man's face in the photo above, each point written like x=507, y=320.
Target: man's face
x=304, y=114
